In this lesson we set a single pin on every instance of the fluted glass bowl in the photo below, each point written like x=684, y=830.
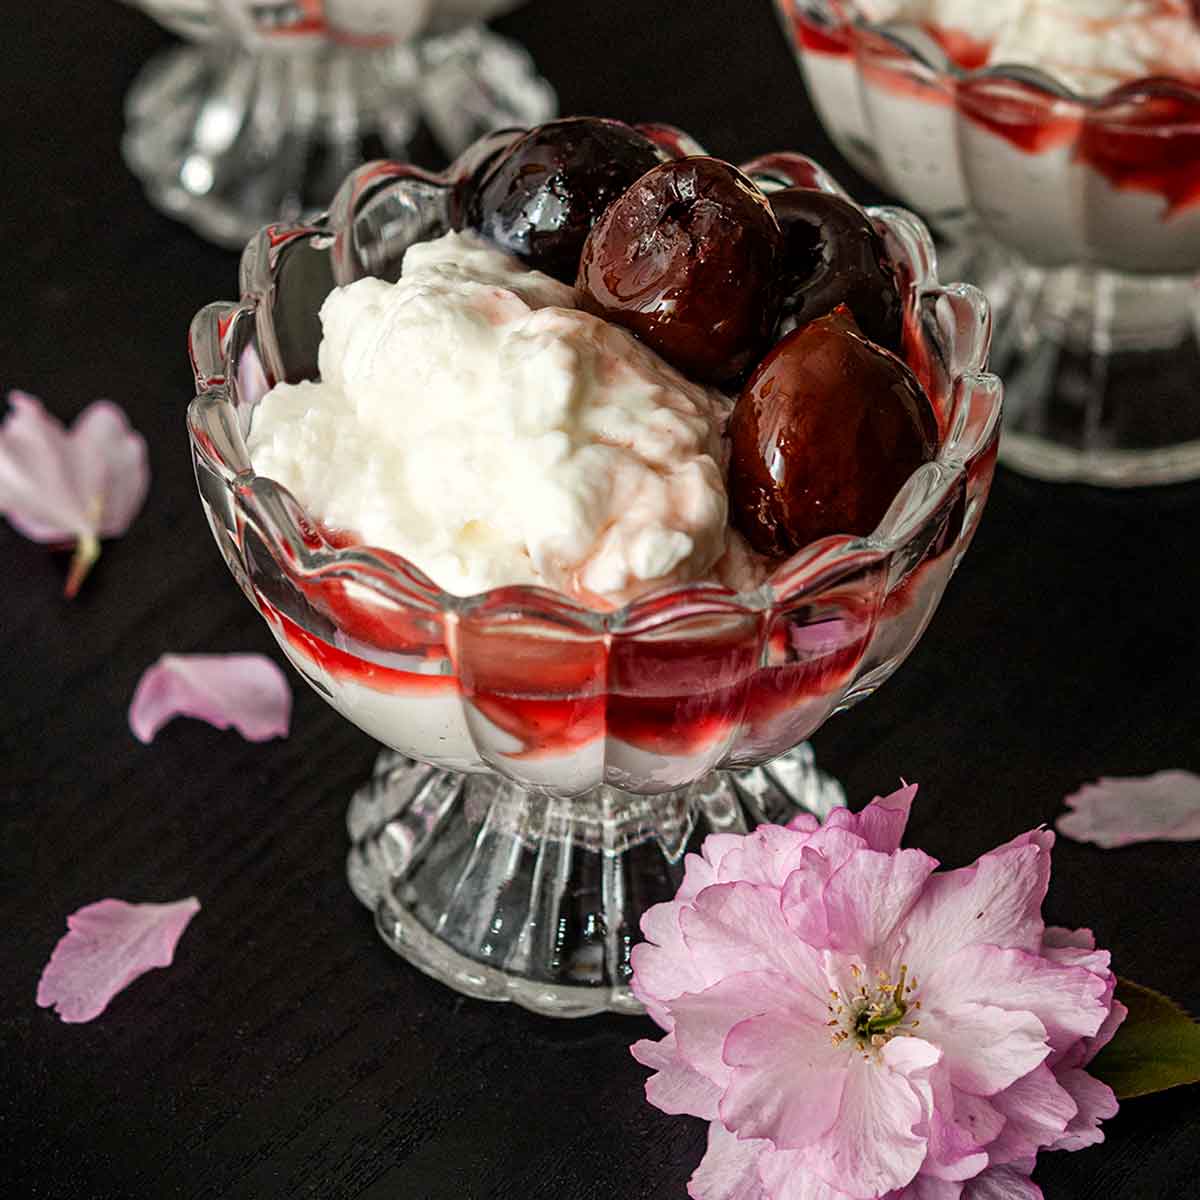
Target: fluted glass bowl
x=1078, y=215
x=551, y=764
x=261, y=116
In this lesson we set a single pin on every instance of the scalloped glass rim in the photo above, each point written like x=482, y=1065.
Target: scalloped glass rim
x=932, y=57
x=292, y=536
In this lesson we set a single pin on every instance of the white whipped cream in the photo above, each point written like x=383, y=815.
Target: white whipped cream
x=471, y=418
x=1092, y=45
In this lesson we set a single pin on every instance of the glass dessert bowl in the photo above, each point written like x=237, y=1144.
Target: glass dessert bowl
x=1069, y=191
x=549, y=763
x=272, y=102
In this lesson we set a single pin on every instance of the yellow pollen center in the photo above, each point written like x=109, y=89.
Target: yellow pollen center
x=872, y=1016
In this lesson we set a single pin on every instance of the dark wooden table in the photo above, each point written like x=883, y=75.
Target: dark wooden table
x=288, y=1053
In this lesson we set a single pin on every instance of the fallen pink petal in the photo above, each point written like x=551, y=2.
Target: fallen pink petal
x=246, y=692
x=76, y=486
x=1164, y=807
x=107, y=946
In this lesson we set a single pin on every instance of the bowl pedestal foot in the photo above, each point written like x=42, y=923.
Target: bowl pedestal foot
x=1099, y=370
x=505, y=894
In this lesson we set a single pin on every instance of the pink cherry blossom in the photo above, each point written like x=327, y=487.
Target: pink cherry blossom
x=1118, y=812
x=857, y=1025
x=246, y=691
x=107, y=946
x=71, y=487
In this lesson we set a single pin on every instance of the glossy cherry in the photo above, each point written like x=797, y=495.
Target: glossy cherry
x=540, y=197
x=823, y=436
x=471, y=167
x=687, y=259
x=834, y=255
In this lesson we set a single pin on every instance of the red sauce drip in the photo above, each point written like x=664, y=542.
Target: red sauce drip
x=1148, y=142
x=672, y=696
x=1025, y=117
x=343, y=665
x=964, y=51
x=821, y=39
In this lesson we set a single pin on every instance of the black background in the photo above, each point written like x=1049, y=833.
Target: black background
x=287, y=1052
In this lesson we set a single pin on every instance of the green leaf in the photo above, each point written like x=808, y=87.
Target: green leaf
x=1157, y=1046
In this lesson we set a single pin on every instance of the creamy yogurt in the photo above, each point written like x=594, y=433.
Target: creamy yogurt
x=473, y=419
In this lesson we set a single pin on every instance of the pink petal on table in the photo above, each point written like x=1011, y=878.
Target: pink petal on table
x=1118, y=812
x=107, y=946
x=246, y=691
x=110, y=462
x=58, y=485
x=71, y=486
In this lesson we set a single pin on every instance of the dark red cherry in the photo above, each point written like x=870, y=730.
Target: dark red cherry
x=468, y=170
x=834, y=255
x=540, y=198
x=823, y=436
x=687, y=259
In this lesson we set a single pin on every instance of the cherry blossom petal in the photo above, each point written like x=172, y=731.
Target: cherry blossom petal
x=1059, y=937
x=1069, y=1001
x=803, y=895
x=1092, y=1046
x=875, y=1146
x=786, y=1177
x=770, y=853
x=986, y=1048
x=1094, y=1102
x=730, y=928
x=675, y=1087
x=870, y=895
x=961, y=1126
x=109, y=461
x=1076, y=948
x=787, y=1077
x=58, y=486
x=1037, y=1110
x=704, y=869
x=835, y=844
x=926, y=1187
x=1119, y=812
x=37, y=494
x=246, y=691
x=1002, y=1183
x=107, y=946
x=802, y=900
x=729, y=1169
x=996, y=901
x=882, y=823
x=703, y=1021
x=736, y=927
x=663, y=968
x=804, y=822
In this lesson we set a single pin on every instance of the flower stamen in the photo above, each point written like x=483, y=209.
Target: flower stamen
x=873, y=1017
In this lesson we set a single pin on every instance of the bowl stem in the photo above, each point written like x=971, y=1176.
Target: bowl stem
x=508, y=895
